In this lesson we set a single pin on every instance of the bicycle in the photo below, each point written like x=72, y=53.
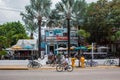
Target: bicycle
x=110, y=62
x=61, y=67
x=34, y=64
x=91, y=63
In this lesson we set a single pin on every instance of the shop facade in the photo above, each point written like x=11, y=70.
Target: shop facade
x=56, y=38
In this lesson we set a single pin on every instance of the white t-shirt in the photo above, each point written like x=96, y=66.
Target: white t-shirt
x=67, y=60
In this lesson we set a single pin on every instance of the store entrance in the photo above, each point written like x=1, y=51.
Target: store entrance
x=52, y=48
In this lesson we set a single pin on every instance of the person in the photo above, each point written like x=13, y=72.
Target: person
x=58, y=58
x=65, y=61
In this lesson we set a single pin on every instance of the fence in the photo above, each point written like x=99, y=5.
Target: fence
x=21, y=62
x=43, y=62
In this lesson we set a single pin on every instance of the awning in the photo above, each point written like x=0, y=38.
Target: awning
x=81, y=48
x=28, y=47
x=61, y=48
x=16, y=47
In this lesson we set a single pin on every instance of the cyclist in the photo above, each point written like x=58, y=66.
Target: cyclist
x=65, y=61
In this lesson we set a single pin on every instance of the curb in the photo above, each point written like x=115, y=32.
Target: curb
x=51, y=68
x=13, y=68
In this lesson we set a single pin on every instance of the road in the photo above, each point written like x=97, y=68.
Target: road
x=77, y=74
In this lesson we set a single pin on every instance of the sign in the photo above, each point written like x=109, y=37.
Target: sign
x=61, y=38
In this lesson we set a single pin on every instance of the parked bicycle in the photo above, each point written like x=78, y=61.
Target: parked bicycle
x=61, y=67
x=110, y=62
x=34, y=64
x=91, y=63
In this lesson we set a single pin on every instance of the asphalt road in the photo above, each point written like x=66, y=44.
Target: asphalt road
x=77, y=74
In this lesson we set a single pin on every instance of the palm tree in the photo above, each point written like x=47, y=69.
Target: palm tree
x=39, y=9
x=72, y=10
x=65, y=8
x=54, y=19
x=30, y=23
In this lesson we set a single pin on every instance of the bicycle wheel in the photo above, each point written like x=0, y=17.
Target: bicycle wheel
x=95, y=63
x=87, y=64
x=114, y=63
x=29, y=65
x=107, y=63
x=36, y=65
x=40, y=65
x=59, y=68
x=69, y=68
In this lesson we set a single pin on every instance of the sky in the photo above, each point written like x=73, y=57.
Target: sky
x=10, y=9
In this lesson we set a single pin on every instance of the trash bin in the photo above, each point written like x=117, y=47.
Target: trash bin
x=73, y=62
x=82, y=60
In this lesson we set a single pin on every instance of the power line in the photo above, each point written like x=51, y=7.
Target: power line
x=11, y=9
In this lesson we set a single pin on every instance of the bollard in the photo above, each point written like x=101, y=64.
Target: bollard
x=73, y=62
x=82, y=60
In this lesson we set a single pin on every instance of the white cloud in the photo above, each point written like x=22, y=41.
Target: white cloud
x=89, y=1
x=8, y=15
x=9, y=10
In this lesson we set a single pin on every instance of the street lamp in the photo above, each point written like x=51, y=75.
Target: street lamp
x=92, y=54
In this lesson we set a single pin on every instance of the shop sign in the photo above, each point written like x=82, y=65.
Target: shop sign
x=61, y=38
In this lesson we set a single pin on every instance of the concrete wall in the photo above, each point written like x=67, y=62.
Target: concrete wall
x=100, y=61
x=43, y=62
x=21, y=62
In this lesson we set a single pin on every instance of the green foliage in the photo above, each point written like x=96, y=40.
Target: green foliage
x=101, y=18
x=37, y=8
x=10, y=33
x=83, y=33
x=3, y=52
x=117, y=34
x=73, y=10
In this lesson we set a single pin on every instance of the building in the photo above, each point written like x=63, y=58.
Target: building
x=23, y=49
x=57, y=37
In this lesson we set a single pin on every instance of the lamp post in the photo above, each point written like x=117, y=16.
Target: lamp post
x=39, y=36
x=68, y=31
x=92, y=54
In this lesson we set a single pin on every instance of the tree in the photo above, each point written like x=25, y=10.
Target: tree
x=102, y=16
x=29, y=20
x=54, y=19
x=71, y=10
x=39, y=9
x=10, y=33
x=83, y=33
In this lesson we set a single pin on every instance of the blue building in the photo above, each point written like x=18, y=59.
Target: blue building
x=57, y=37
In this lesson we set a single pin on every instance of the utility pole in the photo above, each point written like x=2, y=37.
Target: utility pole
x=92, y=55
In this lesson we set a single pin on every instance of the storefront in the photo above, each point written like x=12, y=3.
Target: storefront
x=55, y=42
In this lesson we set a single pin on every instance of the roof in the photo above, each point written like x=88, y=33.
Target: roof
x=25, y=42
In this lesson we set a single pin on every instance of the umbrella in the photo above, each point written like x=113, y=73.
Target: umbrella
x=102, y=47
x=90, y=47
x=71, y=48
x=16, y=47
x=81, y=48
x=61, y=48
x=28, y=47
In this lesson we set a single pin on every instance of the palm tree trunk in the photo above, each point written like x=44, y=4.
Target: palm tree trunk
x=31, y=36
x=79, y=50
x=68, y=25
x=39, y=36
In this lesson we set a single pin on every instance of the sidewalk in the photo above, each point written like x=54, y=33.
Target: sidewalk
x=47, y=67
x=19, y=67
x=13, y=67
